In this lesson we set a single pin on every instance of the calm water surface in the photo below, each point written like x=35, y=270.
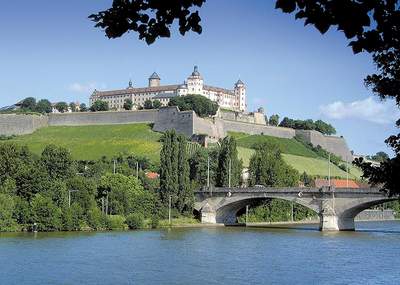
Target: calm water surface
x=300, y=255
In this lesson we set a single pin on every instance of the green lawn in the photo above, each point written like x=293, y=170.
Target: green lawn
x=92, y=142
x=289, y=146
x=313, y=166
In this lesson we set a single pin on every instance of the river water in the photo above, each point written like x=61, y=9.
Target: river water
x=220, y=255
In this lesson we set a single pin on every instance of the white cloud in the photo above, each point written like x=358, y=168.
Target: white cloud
x=368, y=109
x=85, y=87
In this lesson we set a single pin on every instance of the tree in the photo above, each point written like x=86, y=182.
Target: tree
x=150, y=19
x=62, y=107
x=268, y=168
x=58, y=162
x=7, y=221
x=45, y=213
x=99, y=105
x=287, y=123
x=174, y=172
x=201, y=105
x=324, y=128
x=29, y=104
x=82, y=107
x=274, y=120
x=185, y=194
x=156, y=104
x=72, y=106
x=380, y=156
x=229, y=165
x=148, y=104
x=43, y=106
x=128, y=104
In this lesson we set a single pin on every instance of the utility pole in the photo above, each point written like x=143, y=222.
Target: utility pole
x=247, y=213
x=137, y=170
x=169, y=210
x=69, y=196
x=329, y=169
x=114, y=166
x=292, y=218
x=347, y=172
x=229, y=173
x=208, y=172
x=107, y=204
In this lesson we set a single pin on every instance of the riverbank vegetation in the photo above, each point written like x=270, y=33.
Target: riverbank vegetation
x=53, y=191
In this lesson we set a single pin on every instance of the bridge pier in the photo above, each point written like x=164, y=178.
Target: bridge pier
x=208, y=215
x=336, y=223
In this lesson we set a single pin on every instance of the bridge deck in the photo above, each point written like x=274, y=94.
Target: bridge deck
x=289, y=190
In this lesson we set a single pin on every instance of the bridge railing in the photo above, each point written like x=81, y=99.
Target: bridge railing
x=262, y=189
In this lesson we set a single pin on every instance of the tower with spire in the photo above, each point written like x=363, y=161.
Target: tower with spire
x=154, y=80
x=195, y=82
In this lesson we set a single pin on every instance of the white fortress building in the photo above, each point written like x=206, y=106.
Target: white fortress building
x=229, y=99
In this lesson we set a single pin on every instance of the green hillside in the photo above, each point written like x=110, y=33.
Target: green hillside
x=313, y=166
x=289, y=146
x=93, y=142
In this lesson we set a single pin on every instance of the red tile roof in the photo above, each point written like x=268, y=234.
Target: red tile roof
x=152, y=175
x=337, y=183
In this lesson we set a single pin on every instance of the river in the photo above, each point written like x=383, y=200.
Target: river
x=220, y=255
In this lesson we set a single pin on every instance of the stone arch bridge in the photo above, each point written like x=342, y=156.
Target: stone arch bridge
x=336, y=208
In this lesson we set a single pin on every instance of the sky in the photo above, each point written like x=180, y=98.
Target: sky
x=50, y=49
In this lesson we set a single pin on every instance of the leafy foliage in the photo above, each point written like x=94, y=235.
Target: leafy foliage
x=151, y=19
x=43, y=106
x=99, y=105
x=61, y=107
x=201, y=105
x=267, y=168
x=229, y=166
x=273, y=120
x=174, y=172
x=309, y=124
x=128, y=104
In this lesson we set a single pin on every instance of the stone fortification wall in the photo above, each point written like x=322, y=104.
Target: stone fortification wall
x=15, y=124
x=254, y=129
x=335, y=145
x=102, y=118
x=171, y=118
x=213, y=129
x=253, y=118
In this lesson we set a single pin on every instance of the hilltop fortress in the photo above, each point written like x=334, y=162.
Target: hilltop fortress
x=185, y=122
x=234, y=100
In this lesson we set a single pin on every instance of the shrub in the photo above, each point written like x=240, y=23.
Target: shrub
x=116, y=222
x=135, y=221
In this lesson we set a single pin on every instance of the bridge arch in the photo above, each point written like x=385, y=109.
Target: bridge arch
x=227, y=212
x=336, y=208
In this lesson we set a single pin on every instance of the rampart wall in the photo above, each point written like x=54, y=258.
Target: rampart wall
x=172, y=118
x=255, y=129
x=335, y=145
x=13, y=124
x=102, y=118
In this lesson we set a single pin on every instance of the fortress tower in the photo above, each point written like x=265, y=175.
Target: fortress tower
x=154, y=80
x=195, y=82
x=240, y=94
